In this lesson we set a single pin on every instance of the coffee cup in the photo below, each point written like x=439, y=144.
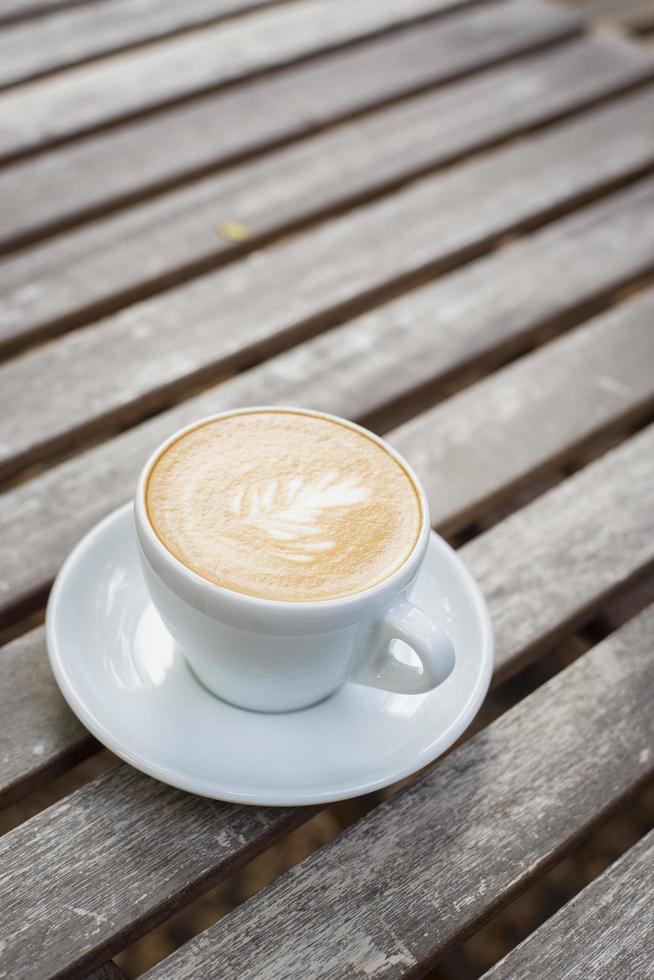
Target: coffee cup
x=278, y=546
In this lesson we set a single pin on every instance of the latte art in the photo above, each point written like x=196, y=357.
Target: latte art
x=292, y=513
x=284, y=505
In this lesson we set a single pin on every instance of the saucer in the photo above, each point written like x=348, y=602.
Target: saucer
x=128, y=683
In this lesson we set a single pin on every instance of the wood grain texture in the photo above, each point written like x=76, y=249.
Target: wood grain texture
x=597, y=376
x=484, y=443
x=138, y=357
x=109, y=880
x=79, y=33
x=594, y=376
x=90, y=175
x=605, y=931
x=598, y=527
x=12, y=11
x=40, y=736
x=141, y=848
x=437, y=858
x=121, y=865
x=102, y=265
x=488, y=309
x=102, y=92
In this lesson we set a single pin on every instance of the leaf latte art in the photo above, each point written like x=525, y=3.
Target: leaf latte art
x=290, y=512
x=284, y=504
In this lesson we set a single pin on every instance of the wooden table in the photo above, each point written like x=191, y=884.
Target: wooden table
x=434, y=216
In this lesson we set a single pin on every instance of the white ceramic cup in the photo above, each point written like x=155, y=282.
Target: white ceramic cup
x=270, y=655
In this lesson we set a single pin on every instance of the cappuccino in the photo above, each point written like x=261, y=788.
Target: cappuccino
x=284, y=505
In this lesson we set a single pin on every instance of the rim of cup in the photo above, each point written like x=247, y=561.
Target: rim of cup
x=178, y=567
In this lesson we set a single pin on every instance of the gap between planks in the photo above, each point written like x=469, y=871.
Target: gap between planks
x=108, y=972
x=429, y=866
x=135, y=161
x=94, y=96
x=486, y=312
x=587, y=381
x=78, y=35
x=476, y=205
x=15, y=11
x=211, y=831
x=607, y=930
x=100, y=268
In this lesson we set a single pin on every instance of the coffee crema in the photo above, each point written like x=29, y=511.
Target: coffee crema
x=284, y=505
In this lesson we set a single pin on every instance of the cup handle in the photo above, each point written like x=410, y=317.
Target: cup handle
x=404, y=621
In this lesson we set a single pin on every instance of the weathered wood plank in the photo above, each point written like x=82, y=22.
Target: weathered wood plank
x=133, y=849
x=40, y=736
x=137, y=81
x=91, y=174
x=76, y=34
x=100, y=266
x=592, y=549
x=566, y=391
x=438, y=857
x=12, y=11
x=112, y=369
x=605, y=931
x=488, y=309
x=631, y=13
x=483, y=443
x=130, y=817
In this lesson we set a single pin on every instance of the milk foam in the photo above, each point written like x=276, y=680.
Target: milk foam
x=284, y=505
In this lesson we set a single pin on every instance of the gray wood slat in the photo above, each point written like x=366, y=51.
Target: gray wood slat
x=118, y=164
x=486, y=310
x=419, y=872
x=605, y=931
x=541, y=600
x=102, y=92
x=484, y=443
x=12, y=11
x=112, y=369
x=39, y=737
x=75, y=34
x=126, y=820
x=123, y=851
x=102, y=265
x=468, y=451
x=631, y=13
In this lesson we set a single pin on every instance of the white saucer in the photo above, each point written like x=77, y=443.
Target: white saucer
x=122, y=675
